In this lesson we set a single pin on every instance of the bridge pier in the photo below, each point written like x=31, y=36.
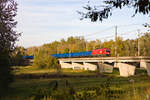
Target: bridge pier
x=145, y=65
x=90, y=66
x=116, y=65
x=148, y=68
x=77, y=65
x=65, y=64
x=105, y=68
x=126, y=69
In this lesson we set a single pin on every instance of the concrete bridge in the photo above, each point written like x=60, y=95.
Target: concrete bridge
x=126, y=65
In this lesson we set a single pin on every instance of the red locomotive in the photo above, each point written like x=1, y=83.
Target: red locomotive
x=101, y=52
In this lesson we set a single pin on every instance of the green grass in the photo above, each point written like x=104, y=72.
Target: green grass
x=23, y=89
x=26, y=87
x=17, y=70
x=52, y=71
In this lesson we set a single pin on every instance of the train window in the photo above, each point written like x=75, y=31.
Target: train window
x=107, y=50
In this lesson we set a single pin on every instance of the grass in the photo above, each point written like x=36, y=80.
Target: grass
x=18, y=71
x=25, y=88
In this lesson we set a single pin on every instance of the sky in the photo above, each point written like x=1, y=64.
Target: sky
x=45, y=21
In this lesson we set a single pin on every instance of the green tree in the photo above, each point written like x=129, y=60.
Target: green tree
x=145, y=44
x=127, y=47
x=31, y=50
x=8, y=36
x=120, y=46
x=17, y=56
x=109, y=45
x=43, y=59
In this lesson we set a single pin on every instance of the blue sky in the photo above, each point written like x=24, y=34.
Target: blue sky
x=44, y=21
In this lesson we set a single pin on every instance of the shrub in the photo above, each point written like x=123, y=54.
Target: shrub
x=5, y=73
x=17, y=56
x=43, y=60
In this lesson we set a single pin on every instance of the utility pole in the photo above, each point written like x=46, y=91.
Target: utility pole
x=138, y=42
x=69, y=50
x=86, y=46
x=116, y=41
x=57, y=50
x=116, y=65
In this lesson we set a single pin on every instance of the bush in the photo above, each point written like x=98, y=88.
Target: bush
x=17, y=56
x=43, y=60
x=5, y=72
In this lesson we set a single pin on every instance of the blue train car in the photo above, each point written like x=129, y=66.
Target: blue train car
x=66, y=55
x=77, y=54
x=28, y=57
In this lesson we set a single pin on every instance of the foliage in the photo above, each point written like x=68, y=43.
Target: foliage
x=127, y=47
x=8, y=36
x=31, y=50
x=17, y=56
x=5, y=73
x=43, y=60
x=145, y=44
x=104, y=11
x=90, y=88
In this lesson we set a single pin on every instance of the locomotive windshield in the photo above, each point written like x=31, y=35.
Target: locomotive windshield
x=107, y=50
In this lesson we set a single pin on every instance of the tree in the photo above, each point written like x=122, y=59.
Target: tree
x=104, y=11
x=31, y=50
x=8, y=36
x=17, y=56
x=42, y=59
x=145, y=44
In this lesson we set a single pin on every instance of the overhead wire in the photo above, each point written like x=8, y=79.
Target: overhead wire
x=127, y=25
x=90, y=34
x=105, y=37
x=135, y=30
x=108, y=29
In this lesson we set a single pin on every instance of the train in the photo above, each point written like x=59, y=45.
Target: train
x=93, y=53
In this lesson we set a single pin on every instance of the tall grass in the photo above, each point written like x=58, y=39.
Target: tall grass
x=103, y=87
x=108, y=89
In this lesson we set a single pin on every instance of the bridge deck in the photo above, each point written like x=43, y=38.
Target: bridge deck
x=107, y=59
